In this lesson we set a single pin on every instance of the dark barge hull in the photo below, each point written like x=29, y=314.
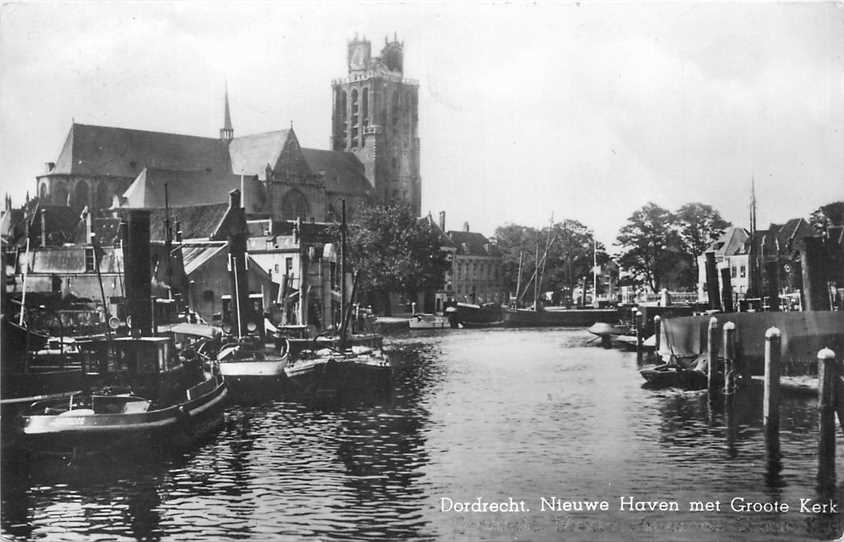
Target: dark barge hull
x=562, y=318
x=337, y=380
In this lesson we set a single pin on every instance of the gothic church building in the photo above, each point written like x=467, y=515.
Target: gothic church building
x=374, y=156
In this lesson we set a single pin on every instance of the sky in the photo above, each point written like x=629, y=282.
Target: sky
x=526, y=110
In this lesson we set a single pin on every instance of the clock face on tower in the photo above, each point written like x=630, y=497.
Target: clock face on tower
x=358, y=57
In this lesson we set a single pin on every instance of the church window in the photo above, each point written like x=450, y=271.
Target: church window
x=43, y=191
x=60, y=195
x=294, y=205
x=365, y=104
x=80, y=195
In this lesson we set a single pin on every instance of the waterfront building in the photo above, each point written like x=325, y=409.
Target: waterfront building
x=766, y=264
x=475, y=275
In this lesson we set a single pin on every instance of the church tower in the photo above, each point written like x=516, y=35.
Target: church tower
x=375, y=114
x=227, y=132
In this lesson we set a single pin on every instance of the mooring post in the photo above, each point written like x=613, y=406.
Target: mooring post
x=771, y=399
x=638, y=319
x=827, y=374
x=657, y=331
x=729, y=334
x=712, y=356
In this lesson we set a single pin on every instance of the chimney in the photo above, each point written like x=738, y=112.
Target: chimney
x=234, y=199
x=465, y=226
x=43, y=227
x=89, y=225
x=137, y=272
x=442, y=220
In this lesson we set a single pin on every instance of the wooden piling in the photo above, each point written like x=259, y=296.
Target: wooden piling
x=712, y=356
x=827, y=375
x=726, y=290
x=638, y=323
x=712, y=282
x=729, y=334
x=813, y=267
x=657, y=331
x=771, y=399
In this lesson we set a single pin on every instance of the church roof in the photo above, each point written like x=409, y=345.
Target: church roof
x=122, y=152
x=185, y=189
x=252, y=154
x=341, y=171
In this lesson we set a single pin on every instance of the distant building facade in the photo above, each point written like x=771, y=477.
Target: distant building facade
x=476, y=273
x=764, y=265
x=375, y=116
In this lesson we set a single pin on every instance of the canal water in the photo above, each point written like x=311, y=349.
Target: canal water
x=500, y=415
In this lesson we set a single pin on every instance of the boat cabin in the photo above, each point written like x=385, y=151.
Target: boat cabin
x=143, y=355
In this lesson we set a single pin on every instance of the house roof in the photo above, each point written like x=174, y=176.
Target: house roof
x=195, y=256
x=732, y=241
x=251, y=154
x=341, y=171
x=197, y=222
x=186, y=188
x=123, y=152
x=471, y=243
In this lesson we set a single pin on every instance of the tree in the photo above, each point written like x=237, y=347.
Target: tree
x=569, y=258
x=698, y=225
x=831, y=214
x=394, y=251
x=651, y=246
x=516, y=243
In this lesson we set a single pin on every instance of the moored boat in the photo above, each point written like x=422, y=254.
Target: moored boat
x=469, y=315
x=251, y=370
x=155, y=399
x=421, y=320
x=553, y=316
x=349, y=369
x=328, y=373
x=674, y=376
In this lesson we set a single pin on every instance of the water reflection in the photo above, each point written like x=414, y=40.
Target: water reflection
x=521, y=413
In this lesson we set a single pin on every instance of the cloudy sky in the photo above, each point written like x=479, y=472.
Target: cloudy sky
x=585, y=110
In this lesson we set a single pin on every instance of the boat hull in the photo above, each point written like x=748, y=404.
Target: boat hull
x=254, y=380
x=674, y=377
x=473, y=316
x=428, y=321
x=338, y=378
x=171, y=427
x=562, y=317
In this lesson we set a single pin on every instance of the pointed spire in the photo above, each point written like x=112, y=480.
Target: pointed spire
x=227, y=131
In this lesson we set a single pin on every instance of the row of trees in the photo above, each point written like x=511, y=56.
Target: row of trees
x=395, y=251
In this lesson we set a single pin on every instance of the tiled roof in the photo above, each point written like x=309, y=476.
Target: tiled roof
x=187, y=188
x=731, y=242
x=197, y=222
x=341, y=171
x=195, y=256
x=252, y=154
x=471, y=243
x=122, y=152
